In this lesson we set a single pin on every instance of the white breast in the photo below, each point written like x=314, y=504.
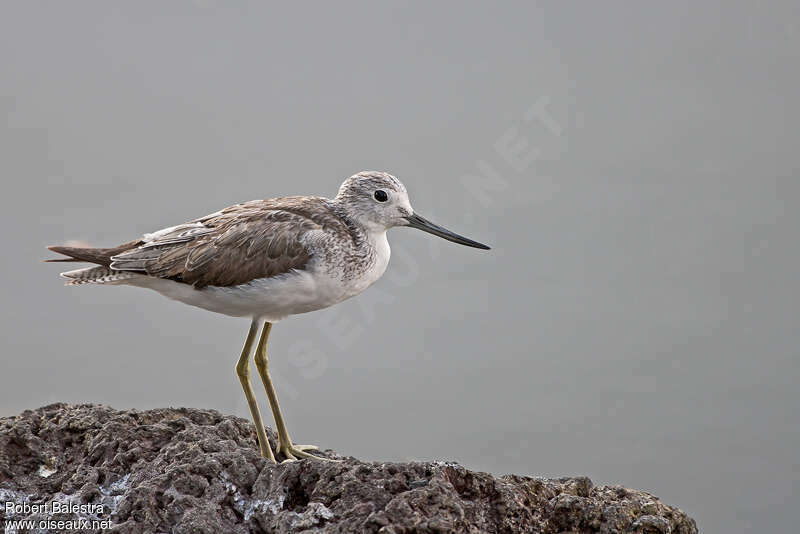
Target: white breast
x=376, y=268
x=334, y=284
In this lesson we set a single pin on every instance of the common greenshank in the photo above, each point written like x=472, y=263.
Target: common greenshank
x=266, y=260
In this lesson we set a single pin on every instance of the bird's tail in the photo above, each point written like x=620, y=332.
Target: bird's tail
x=97, y=275
x=100, y=274
x=100, y=256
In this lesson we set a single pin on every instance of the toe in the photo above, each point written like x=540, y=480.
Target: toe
x=288, y=454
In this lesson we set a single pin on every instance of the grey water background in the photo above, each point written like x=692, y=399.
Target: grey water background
x=635, y=168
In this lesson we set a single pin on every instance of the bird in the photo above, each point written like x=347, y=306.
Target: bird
x=266, y=260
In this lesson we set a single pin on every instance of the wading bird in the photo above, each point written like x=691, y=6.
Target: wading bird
x=266, y=260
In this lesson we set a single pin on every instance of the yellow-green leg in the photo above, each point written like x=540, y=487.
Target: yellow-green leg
x=285, y=445
x=243, y=371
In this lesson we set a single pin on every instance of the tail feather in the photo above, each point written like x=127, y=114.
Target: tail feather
x=100, y=256
x=97, y=275
x=59, y=260
x=91, y=255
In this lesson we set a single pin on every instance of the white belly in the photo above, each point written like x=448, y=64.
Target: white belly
x=270, y=299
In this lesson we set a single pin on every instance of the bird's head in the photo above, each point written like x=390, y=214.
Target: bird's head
x=379, y=201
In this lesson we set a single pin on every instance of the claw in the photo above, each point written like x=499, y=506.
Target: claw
x=294, y=452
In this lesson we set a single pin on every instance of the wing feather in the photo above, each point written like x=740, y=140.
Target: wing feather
x=256, y=239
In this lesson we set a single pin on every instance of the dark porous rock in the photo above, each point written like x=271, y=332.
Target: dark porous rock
x=193, y=471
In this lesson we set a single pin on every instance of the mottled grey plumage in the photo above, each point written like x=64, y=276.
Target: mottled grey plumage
x=256, y=239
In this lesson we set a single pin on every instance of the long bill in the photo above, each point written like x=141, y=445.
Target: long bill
x=421, y=223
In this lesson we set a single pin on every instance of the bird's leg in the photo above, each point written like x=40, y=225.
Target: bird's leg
x=243, y=371
x=285, y=445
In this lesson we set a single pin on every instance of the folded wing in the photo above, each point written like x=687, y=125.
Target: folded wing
x=257, y=239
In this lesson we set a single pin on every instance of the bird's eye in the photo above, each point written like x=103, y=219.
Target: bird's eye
x=381, y=196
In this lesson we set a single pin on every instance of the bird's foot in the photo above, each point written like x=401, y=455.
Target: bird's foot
x=294, y=452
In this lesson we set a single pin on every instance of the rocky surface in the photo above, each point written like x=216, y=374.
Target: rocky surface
x=197, y=471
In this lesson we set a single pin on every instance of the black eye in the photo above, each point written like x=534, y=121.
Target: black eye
x=381, y=196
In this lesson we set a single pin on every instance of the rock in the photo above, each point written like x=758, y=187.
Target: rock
x=193, y=471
